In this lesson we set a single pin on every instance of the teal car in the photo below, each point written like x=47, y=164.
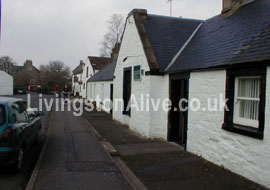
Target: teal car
x=19, y=129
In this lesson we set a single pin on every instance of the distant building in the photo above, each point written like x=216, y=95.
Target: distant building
x=26, y=77
x=77, y=79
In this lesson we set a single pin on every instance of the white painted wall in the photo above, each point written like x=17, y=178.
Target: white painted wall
x=246, y=156
x=101, y=89
x=159, y=88
x=131, y=46
x=85, y=78
x=147, y=123
x=6, y=84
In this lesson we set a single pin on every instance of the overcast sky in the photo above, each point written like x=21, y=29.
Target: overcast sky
x=71, y=30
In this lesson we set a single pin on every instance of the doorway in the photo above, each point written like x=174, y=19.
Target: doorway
x=178, y=118
x=127, y=90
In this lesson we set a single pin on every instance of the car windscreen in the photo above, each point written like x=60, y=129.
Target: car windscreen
x=2, y=115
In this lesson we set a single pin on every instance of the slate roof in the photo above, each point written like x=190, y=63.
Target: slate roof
x=99, y=63
x=106, y=74
x=242, y=37
x=78, y=70
x=167, y=35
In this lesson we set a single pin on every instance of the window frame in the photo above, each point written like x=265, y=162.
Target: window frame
x=229, y=122
x=237, y=119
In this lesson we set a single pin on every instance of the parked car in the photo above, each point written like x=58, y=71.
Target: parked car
x=19, y=129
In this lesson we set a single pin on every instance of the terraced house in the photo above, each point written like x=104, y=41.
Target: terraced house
x=225, y=56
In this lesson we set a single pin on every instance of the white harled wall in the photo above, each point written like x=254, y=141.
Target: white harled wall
x=244, y=155
x=85, y=78
x=147, y=123
x=6, y=84
x=159, y=118
x=101, y=89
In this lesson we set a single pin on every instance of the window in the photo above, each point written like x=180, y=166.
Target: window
x=19, y=112
x=86, y=71
x=2, y=115
x=246, y=101
x=83, y=85
x=32, y=81
x=137, y=73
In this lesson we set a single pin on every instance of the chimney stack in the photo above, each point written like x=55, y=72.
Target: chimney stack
x=28, y=63
x=115, y=51
x=231, y=6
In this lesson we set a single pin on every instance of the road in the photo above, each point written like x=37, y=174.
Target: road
x=10, y=181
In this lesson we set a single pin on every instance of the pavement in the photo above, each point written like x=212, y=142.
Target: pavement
x=75, y=159
x=164, y=165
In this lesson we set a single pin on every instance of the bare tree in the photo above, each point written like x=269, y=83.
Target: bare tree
x=113, y=36
x=55, y=73
x=6, y=59
x=6, y=64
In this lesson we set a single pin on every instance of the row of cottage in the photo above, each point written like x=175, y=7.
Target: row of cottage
x=174, y=58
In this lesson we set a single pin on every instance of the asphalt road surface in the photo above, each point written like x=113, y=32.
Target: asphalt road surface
x=11, y=181
x=74, y=159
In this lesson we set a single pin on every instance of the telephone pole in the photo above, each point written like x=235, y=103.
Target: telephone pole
x=170, y=1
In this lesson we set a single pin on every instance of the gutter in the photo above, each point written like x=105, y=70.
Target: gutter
x=183, y=47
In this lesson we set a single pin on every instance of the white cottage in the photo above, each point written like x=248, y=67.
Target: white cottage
x=229, y=56
x=148, y=45
x=6, y=84
x=77, y=76
x=85, y=71
x=226, y=56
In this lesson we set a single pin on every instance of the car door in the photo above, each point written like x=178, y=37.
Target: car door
x=34, y=122
x=23, y=128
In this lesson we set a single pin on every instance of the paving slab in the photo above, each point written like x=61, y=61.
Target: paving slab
x=111, y=130
x=147, y=148
x=109, y=148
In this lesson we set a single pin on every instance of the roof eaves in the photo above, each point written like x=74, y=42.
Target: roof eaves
x=139, y=17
